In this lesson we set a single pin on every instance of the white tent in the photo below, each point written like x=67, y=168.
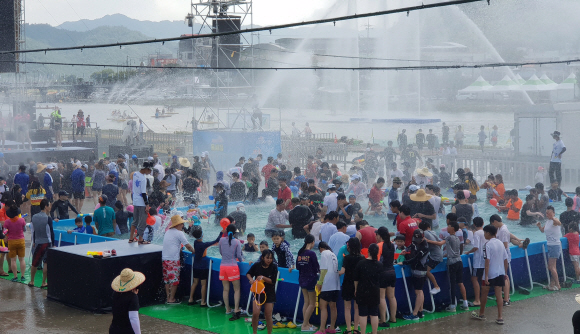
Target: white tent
x=519, y=80
x=551, y=84
x=534, y=84
x=505, y=85
x=567, y=90
x=479, y=85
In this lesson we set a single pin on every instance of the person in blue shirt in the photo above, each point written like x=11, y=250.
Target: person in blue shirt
x=393, y=193
x=47, y=182
x=80, y=228
x=78, y=186
x=200, y=265
x=22, y=179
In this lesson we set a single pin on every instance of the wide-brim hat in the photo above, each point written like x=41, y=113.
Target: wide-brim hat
x=424, y=171
x=40, y=168
x=176, y=220
x=127, y=281
x=184, y=162
x=420, y=196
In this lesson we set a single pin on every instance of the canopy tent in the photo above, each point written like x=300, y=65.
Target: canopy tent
x=534, y=84
x=569, y=83
x=566, y=91
x=505, y=85
x=479, y=85
x=519, y=80
x=551, y=84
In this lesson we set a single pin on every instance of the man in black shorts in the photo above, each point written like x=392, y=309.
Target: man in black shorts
x=416, y=258
x=496, y=264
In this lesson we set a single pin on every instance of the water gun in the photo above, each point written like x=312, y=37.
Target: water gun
x=360, y=161
x=317, y=294
x=89, y=253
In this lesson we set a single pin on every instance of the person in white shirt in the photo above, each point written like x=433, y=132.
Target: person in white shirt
x=436, y=202
x=328, y=229
x=394, y=172
x=277, y=219
x=338, y=239
x=172, y=241
x=555, y=171
x=478, y=261
x=495, y=269
x=553, y=232
x=328, y=285
x=330, y=201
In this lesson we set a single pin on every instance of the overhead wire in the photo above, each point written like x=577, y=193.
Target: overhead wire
x=251, y=30
x=363, y=68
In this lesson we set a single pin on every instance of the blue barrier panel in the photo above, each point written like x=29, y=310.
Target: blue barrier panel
x=223, y=145
x=287, y=291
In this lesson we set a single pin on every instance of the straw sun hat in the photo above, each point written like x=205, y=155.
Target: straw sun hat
x=176, y=220
x=184, y=162
x=128, y=280
x=424, y=171
x=420, y=196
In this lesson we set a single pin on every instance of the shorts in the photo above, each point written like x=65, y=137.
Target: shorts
x=432, y=263
x=368, y=310
x=40, y=254
x=477, y=272
x=79, y=195
x=201, y=274
x=229, y=273
x=329, y=296
x=16, y=247
x=171, y=270
x=497, y=281
x=388, y=279
x=575, y=258
x=418, y=282
x=96, y=189
x=139, y=219
x=456, y=270
x=310, y=287
x=347, y=291
x=554, y=252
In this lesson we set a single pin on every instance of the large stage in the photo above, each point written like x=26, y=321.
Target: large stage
x=82, y=281
x=43, y=152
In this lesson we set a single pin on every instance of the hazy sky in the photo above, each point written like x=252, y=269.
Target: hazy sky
x=55, y=12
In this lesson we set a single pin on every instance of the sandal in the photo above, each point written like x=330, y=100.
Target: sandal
x=526, y=243
x=144, y=242
x=131, y=241
x=499, y=321
x=475, y=315
x=44, y=286
x=31, y=284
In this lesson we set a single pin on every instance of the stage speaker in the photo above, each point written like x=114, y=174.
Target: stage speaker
x=228, y=55
x=8, y=36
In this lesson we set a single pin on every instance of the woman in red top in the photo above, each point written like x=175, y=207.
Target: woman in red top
x=376, y=195
x=499, y=190
x=573, y=248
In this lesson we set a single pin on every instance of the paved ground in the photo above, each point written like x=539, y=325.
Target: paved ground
x=26, y=310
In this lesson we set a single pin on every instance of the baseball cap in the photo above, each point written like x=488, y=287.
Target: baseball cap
x=413, y=187
x=134, y=156
x=103, y=198
x=331, y=186
x=62, y=193
x=397, y=180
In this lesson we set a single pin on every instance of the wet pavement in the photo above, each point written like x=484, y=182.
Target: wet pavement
x=26, y=310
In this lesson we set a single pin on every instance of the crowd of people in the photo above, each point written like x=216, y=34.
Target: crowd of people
x=319, y=204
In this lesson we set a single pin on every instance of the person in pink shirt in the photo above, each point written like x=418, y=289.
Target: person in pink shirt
x=15, y=235
x=574, y=248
